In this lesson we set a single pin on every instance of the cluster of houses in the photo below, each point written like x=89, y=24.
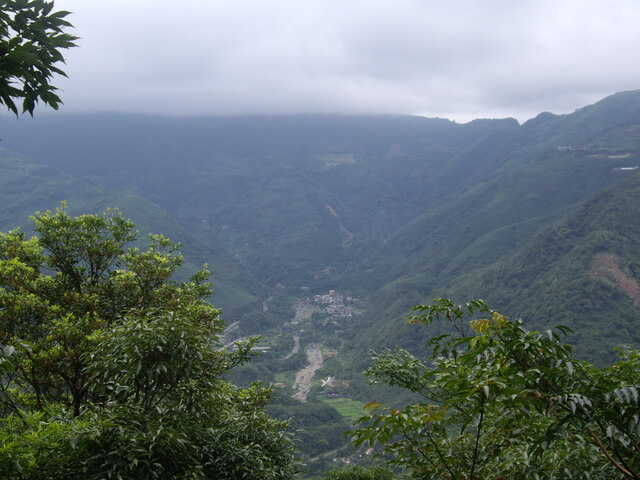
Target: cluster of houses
x=334, y=304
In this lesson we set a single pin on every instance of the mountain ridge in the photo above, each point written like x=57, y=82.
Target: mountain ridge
x=389, y=207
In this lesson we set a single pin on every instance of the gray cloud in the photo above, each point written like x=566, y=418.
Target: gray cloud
x=460, y=59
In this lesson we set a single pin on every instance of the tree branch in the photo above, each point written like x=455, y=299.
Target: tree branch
x=608, y=455
x=475, y=448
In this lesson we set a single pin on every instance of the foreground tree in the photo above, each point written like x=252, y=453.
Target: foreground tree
x=113, y=370
x=32, y=37
x=504, y=402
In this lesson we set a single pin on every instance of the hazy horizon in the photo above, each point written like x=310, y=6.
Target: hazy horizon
x=461, y=60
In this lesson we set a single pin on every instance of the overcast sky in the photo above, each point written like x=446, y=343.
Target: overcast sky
x=456, y=59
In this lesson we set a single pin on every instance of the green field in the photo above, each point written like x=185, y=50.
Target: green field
x=285, y=377
x=347, y=407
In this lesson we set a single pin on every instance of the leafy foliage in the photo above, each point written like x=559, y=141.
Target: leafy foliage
x=113, y=370
x=32, y=36
x=501, y=400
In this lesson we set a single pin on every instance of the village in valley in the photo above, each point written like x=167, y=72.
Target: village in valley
x=328, y=307
x=312, y=312
x=335, y=304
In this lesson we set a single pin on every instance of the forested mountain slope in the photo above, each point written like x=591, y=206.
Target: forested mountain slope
x=583, y=272
x=292, y=200
x=544, y=169
x=27, y=187
x=393, y=209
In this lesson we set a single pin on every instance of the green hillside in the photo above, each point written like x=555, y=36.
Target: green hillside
x=27, y=187
x=583, y=272
x=541, y=171
x=392, y=209
x=291, y=199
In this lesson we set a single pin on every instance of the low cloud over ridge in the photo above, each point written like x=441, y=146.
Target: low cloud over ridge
x=459, y=60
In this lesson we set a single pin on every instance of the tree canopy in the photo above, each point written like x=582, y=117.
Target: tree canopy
x=503, y=402
x=32, y=37
x=112, y=369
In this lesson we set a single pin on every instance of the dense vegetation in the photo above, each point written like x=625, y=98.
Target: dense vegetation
x=112, y=370
x=500, y=401
x=540, y=219
x=114, y=365
x=388, y=208
x=582, y=266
